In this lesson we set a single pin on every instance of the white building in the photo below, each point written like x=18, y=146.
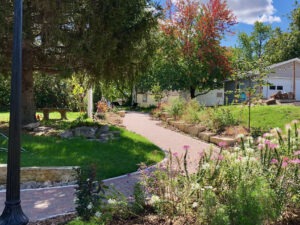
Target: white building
x=285, y=77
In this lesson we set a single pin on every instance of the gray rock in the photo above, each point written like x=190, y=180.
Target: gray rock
x=87, y=132
x=31, y=126
x=66, y=134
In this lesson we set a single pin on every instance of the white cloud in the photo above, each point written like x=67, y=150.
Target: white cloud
x=249, y=11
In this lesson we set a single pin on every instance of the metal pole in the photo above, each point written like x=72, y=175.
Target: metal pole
x=13, y=214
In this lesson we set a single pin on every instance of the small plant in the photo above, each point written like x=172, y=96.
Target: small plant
x=102, y=107
x=192, y=112
x=176, y=108
x=87, y=192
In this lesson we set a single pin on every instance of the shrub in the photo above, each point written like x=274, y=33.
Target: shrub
x=217, y=118
x=192, y=112
x=176, y=108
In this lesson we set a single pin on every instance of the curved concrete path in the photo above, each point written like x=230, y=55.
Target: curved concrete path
x=48, y=202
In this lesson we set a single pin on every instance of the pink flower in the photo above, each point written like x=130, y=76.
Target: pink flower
x=295, y=161
x=222, y=144
x=267, y=142
x=285, y=159
x=284, y=164
x=186, y=147
x=220, y=157
x=273, y=146
x=175, y=154
x=201, y=154
x=274, y=161
x=297, y=152
x=265, y=134
x=260, y=146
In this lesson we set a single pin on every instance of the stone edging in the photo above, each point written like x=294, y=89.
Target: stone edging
x=197, y=131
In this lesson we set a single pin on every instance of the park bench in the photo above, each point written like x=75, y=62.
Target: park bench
x=62, y=111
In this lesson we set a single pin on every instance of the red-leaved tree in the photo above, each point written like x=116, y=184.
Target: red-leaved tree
x=194, y=31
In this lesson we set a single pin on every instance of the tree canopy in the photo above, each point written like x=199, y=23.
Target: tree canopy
x=105, y=39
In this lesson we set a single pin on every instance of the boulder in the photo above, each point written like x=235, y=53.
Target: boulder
x=271, y=101
x=218, y=139
x=122, y=113
x=195, y=130
x=205, y=136
x=66, y=134
x=87, y=132
x=31, y=126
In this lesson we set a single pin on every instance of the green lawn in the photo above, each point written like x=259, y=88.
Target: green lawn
x=266, y=116
x=113, y=158
x=4, y=116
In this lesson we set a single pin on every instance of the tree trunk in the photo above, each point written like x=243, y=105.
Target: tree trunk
x=28, y=103
x=192, y=92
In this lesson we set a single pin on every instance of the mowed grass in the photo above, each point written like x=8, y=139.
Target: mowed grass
x=266, y=117
x=114, y=158
x=4, y=116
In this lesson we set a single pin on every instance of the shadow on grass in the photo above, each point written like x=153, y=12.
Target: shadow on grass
x=112, y=159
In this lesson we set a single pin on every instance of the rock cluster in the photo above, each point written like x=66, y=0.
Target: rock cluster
x=102, y=134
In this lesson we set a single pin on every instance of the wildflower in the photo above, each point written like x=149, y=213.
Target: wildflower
x=273, y=146
x=240, y=136
x=201, y=154
x=195, y=186
x=195, y=205
x=220, y=157
x=175, y=154
x=297, y=152
x=98, y=214
x=284, y=164
x=154, y=199
x=222, y=144
x=208, y=187
x=295, y=121
x=274, y=161
x=249, y=150
x=186, y=147
x=237, y=149
x=112, y=201
x=205, y=166
x=90, y=206
x=295, y=161
x=288, y=127
x=260, y=146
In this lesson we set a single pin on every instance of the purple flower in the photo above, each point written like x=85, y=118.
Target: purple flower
x=284, y=164
x=222, y=144
x=274, y=161
x=260, y=146
x=186, y=147
x=272, y=146
x=295, y=161
x=297, y=152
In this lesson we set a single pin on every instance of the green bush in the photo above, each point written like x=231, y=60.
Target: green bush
x=192, y=112
x=4, y=93
x=217, y=118
x=176, y=108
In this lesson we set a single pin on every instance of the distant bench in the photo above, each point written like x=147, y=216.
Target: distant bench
x=47, y=111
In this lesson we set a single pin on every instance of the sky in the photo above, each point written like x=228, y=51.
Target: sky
x=273, y=12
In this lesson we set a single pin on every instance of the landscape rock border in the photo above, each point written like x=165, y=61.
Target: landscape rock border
x=198, y=131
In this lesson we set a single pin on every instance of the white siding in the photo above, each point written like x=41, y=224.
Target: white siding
x=212, y=98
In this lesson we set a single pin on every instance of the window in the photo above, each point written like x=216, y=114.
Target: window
x=279, y=87
x=219, y=95
x=144, y=97
x=272, y=87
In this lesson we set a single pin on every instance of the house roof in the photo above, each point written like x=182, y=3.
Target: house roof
x=284, y=62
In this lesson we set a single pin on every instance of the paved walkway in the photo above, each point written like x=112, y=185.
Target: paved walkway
x=43, y=203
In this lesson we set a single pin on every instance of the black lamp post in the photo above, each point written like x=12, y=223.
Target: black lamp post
x=13, y=214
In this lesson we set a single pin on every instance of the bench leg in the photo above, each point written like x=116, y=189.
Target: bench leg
x=63, y=115
x=46, y=115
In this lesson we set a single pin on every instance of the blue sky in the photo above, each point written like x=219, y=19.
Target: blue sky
x=274, y=12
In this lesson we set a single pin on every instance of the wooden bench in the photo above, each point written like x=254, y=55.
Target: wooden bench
x=47, y=111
